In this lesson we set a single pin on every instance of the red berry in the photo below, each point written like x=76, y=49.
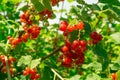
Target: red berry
x=67, y=43
x=75, y=44
x=64, y=22
x=70, y=28
x=11, y=59
x=11, y=71
x=99, y=37
x=65, y=33
x=15, y=41
x=93, y=35
x=83, y=43
x=37, y=76
x=25, y=28
x=25, y=73
x=80, y=60
x=65, y=49
x=33, y=71
x=95, y=41
x=80, y=25
x=114, y=76
x=27, y=69
x=67, y=62
x=63, y=27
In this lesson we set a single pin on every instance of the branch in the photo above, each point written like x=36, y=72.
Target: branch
x=7, y=68
x=51, y=54
x=56, y=73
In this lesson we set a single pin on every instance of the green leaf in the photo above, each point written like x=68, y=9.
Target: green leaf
x=38, y=5
x=87, y=28
x=34, y=63
x=70, y=0
x=93, y=76
x=111, y=14
x=47, y=4
x=17, y=48
x=24, y=60
x=111, y=2
x=15, y=1
x=75, y=77
x=73, y=35
x=95, y=7
x=116, y=37
x=115, y=66
x=73, y=22
x=24, y=8
x=116, y=10
x=81, y=1
x=96, y=66
x=100, y=52
x=118, y=75
x=2, y=50
x=46, y=74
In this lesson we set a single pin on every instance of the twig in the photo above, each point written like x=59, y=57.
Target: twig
x=54, y=77
x=56, y=73
x=51, y=54
x=7, y=67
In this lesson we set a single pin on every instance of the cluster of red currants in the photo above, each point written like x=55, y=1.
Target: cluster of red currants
x=30, y=31
x=68, y=28
x=55, y=2
x=32, y=72
x=45, y=14
x=10, y=61
x=25, y=18
x=29, y=17
x=73, y=53
x=95, y=37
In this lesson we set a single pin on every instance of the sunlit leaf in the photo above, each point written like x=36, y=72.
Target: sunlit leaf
x=24, y=60
x=93, y=76
x=118, y=75
x=34, y=63
x=2, y=50
x=116, y=37
x=38, y=5
x=75, y=77
x=101, y=52
x=70, y=0
x=46, y=3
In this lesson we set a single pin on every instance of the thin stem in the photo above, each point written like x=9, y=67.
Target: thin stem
x=7, y=67
x=79, y=35
x=56, y=73
x=52, y=53
x=6, y=60
x=54, y=76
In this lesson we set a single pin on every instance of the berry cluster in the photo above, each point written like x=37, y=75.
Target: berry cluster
x=32, y=72
x=25, y=18
x=54, y=2
x=68, y=28
x=29, y=17
x=45, y=14
x=95, y=37
x=31, y=32
x=73, y=53
x=10, y=61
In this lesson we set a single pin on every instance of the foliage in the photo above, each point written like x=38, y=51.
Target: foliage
x=29, y=40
